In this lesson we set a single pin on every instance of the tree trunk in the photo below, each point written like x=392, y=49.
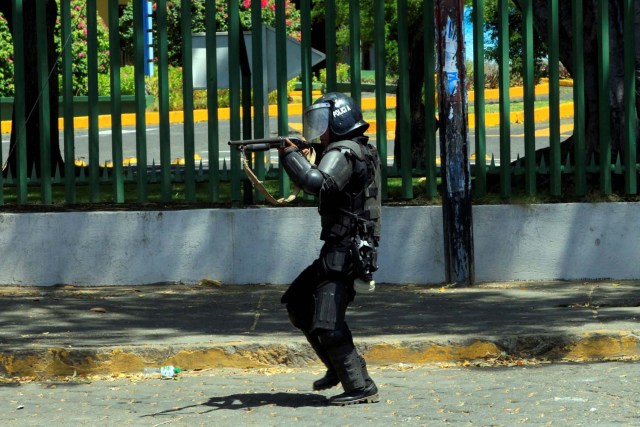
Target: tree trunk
x=416, y=83
x=591, y=68
x=31, y=94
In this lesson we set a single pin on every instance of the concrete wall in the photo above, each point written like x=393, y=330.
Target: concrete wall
x=271, y=245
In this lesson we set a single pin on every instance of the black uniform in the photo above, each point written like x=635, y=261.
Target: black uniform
x=346, y=181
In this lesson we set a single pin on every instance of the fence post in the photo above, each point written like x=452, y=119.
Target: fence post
x=43, y=105
x=454, y=145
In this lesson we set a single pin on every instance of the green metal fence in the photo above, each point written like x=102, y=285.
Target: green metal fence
x=157, y=179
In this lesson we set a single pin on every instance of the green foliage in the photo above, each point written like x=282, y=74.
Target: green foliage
x=175, y=89
x=367, y=26
x=127, y=82
x=516, y=45
x=6, y=59
x=174, y=12
x=78, y=45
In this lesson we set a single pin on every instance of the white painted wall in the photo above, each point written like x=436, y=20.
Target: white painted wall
x=272, y=245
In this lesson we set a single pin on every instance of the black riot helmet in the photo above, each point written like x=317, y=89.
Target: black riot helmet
x=335, y=112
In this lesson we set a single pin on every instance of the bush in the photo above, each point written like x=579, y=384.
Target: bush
x=79, y=46
x=78, y=50
x=6, y=59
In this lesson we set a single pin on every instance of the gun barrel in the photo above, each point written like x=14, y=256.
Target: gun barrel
x=273, y=142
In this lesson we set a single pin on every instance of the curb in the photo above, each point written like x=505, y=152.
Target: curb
x=68, y=361
x=295, y=109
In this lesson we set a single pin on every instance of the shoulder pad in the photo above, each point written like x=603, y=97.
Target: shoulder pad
x=347, y=144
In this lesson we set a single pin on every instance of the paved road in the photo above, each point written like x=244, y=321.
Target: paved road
x=602, y=394
x=201, y=145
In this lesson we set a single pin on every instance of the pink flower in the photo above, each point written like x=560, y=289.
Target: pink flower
x=81, y=54
x=264, y=3
x=247, y=3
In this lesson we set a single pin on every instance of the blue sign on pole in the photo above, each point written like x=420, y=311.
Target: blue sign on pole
x=147, y=25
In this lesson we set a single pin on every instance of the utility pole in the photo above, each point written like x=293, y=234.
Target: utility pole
x=454, y=142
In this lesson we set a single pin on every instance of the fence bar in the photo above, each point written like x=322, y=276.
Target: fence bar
x=212, y=103
x=505, y=106
x=163, y=100
x=116, y=105
x=234, y=94
x=430, y=96
x=454, y=147
x=67, y=97
x=330, y=35
x=1, y=164
x=630, y=113
x=604, y=110
x=94, y=130
x=245, y=71
x=305, y=48
x=187, y=102
x=478, y=84
x=43, y=105
x=403, y=101
x=554, y=99
x=19, y=100
x=529, y=99
x=140, y=101
x=578, y=98
x=283, y=107
x=354, y=50
x=259, y=89
x=381, y=93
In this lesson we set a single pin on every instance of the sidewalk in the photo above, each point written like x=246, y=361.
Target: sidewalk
x=112, y=330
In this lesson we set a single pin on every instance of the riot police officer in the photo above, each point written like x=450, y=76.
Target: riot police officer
x=346, y=180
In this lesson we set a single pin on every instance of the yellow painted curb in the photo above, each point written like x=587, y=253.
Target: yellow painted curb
x=153, y=118
x=67, y=361
x=602, y=347
x=390, y=353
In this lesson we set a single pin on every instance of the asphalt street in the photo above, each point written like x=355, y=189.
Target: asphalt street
x=600, y=394
x=176, y=137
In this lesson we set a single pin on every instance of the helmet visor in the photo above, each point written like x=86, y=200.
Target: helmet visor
x=315, y=121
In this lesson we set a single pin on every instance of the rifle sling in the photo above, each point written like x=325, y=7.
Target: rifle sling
x=257, y=184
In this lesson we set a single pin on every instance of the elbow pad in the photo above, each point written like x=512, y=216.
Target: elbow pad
x=301, y=172
x=337, y=167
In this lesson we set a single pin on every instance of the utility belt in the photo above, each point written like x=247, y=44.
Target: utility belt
x=358, y=233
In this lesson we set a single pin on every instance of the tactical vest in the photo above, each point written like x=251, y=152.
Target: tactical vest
x=371, y=193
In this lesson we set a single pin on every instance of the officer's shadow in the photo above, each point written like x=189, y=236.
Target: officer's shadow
x=252, y=400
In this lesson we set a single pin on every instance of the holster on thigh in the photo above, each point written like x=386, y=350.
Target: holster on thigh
x=330, y=305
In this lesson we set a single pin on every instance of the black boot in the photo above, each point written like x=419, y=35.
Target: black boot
x=368, y=394
x=330, y=378
x=358, y=386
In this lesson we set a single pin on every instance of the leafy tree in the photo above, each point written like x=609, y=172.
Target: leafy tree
x=516, y=47
x=174, y=11
x=32, y=96
x=6, y=59
x=591, y=68
x=79, y=46
x=416, y=53
x=78, y=43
